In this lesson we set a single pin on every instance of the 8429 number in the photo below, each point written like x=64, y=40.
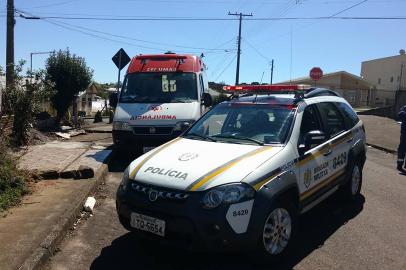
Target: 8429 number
x=340, y=160
x=241, y=212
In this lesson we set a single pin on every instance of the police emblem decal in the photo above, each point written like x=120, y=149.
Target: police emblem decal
x=187, y=156
x=307, y=178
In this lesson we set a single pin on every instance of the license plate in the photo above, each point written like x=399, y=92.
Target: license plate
x=147, y=148
x=147, y=223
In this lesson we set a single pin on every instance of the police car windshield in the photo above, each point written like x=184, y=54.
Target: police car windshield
x=249, y=123
x=153, y=87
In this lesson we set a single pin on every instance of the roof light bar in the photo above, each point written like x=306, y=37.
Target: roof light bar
x=265, y=88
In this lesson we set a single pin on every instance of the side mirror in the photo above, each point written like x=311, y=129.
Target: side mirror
x=207, y=100
x=312, y=139
x=113, y=99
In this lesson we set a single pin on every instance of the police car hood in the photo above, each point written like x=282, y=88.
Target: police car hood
x=156, y=113
x=196, y=165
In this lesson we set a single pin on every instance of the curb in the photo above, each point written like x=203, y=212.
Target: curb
x=98, y=131
x=382, y=148
x=49, y=245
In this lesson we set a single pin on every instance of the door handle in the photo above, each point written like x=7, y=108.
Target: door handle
x=328, y=152
x=350, y=139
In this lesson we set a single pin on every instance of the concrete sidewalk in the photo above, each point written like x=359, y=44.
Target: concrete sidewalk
x=30, y=233
x=382, y=133
x=99, y=128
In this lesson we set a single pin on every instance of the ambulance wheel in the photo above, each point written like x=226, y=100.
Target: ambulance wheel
x=278, y=232
x=352, y=188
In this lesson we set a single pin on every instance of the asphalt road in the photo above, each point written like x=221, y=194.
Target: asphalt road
x=367, y=234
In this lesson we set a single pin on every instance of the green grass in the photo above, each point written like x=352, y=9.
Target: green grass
x=12, y=181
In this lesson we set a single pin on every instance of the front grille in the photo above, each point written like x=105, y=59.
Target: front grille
x=153, y=130
x=154, y=193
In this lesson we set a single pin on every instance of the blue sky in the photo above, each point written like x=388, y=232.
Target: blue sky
x=296, y=46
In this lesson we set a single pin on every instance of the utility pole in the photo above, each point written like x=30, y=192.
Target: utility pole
x=401, y=77
x=10, y=44
x=272, y=72
x=237, y=75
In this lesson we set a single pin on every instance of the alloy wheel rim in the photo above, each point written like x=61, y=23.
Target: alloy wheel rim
x=355, y=180
x=277, y=231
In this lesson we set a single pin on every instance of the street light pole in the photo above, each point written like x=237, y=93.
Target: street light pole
x=35, y=53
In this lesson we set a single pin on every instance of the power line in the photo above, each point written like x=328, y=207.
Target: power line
x=225, y=19
x=351, y=7
x=63, y=25
x=145, y=41
x=226, y=67
x=91, y=32
x=256, y=50
x=53, y=4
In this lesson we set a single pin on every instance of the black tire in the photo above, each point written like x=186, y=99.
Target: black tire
x=352, y=187
x=263, y=253
x=125, y=222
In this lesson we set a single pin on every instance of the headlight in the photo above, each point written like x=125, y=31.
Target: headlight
x=121, y=126
x=183, y=125
x=125, y=180
x=227, y=194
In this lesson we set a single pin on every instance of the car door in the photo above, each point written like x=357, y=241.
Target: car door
x=340, y=138
x=313, y=163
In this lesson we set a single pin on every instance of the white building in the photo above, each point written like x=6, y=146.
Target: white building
x=388, y=75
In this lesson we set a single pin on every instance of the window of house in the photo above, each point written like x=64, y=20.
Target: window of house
x=398, y=79
x=391, y=79
x=379, y=80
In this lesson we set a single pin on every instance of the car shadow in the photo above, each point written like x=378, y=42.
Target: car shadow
x=119, y=161
x=315, y=228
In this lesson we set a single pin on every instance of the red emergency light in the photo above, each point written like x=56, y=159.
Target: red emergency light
x=161, y=56
x=265, y=88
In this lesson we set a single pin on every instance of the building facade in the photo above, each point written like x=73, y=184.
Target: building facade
x=357, y=91
x=388, y=75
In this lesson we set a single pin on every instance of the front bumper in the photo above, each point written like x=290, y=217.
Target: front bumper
x=188, y=225
x=128, y=138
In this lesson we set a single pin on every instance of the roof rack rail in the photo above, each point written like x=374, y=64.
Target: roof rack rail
x=320, y=92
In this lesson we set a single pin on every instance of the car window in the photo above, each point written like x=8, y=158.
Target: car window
x=309, y=122
x=333, y=120
x=265, y=123
x=351, y=116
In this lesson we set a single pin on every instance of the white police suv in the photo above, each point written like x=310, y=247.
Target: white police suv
x=239, y=177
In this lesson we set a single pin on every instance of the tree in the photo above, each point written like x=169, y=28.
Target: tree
x=22, y=101
x=70, y=75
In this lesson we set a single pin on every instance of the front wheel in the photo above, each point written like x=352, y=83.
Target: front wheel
x=278, y=232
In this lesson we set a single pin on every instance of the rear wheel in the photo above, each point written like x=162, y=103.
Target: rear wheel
x=352, y=188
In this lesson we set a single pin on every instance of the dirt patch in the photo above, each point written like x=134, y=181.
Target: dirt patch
x=36, y=137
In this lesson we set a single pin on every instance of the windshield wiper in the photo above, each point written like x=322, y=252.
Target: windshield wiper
x=200, y=136
x=238, y=138
x=130, y=99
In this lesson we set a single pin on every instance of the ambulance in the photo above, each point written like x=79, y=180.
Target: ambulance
x=238, y=179
x=162, y=95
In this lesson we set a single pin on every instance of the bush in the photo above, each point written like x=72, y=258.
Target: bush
x=12, y=181
x=22, y=99
x=98, y=117
x=220, y=98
